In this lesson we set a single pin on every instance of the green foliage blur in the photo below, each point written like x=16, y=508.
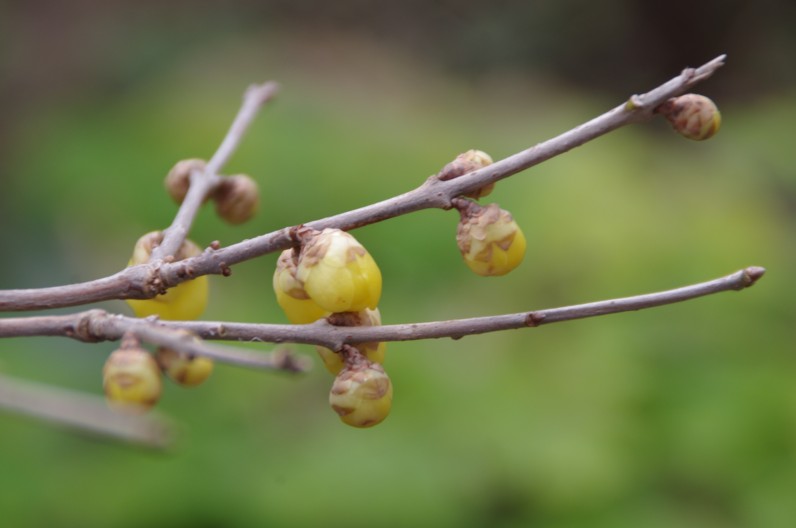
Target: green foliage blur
x=681, y=416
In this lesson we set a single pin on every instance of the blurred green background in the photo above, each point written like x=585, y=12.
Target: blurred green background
x=679, y=416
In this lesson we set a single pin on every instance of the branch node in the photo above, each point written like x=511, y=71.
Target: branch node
x=534, y=319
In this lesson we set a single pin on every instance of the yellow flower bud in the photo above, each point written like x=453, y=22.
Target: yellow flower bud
x=186, y=301
x=468, y=162
x=362, y=394
x=374, y=351
x=490, y=240
x=290, y=293
x=131, y=379
x=237, y=198
x=179, y=178
x=338, y=273
x=185, y=369
x=692, y=116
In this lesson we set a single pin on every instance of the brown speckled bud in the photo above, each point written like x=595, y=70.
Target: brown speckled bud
x=692, y=116
x=468, y=162
x=131, y=378
x=361, y=394
x=237, y=198
x=179, y=178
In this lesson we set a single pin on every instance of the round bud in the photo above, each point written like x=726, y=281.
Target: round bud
x=373, y=351
x=290, y=293
x=490, y=240
x=468, y=162
x=237, y=198
x=185, y=301
x=185, y=369
x=179, y=178
x=131, y=379
x=362, y=394
x=692, y=116
x=338, y=273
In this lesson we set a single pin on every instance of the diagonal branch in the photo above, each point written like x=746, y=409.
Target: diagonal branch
x=136, y=282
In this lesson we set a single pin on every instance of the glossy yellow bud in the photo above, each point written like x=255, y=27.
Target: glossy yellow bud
x=362, y=395
x=179, y=178
x=185, y=369
x=374, y=351
x=131, y=379
x=490, y=240
x=290, y=293
x=237, y=198
x=186, y=301
x=338, y=273
x=468, y=162
x=692, y=116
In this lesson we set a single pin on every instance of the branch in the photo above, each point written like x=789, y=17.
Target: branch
x=203, y=183
x=94, y=325
x=83, y=412
x=138, y=282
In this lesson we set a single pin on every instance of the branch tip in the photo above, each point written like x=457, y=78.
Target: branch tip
x=751, y=275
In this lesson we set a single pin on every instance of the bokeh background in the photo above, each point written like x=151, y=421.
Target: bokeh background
x=679, y=416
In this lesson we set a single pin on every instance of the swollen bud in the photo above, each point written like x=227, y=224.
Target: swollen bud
x=290, y=293
x=373, y=351
x=186, y=369
x=468, y=162
x=692, y=116
x=338, y=273
x=131, y=378
x=237, y=198
x=489, y=239
x=179, y=178
x=362, y=394
x=185, y=301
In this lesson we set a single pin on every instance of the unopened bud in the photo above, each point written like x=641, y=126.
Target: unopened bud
x=373, y=351
x=362, y=394
x=131, y=379
x=338, y=273
x=489, y=239
x=290, y=293
x=468, y=162
x=692, y=116
x=186, y=369
x=237, y=198
x=179, y=178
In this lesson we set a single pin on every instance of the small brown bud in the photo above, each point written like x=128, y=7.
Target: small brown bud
x=692, y=116
x=179, y=178
x=468, y=162
x=237, y=198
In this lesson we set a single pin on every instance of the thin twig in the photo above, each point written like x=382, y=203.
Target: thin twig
x=96, y=325
x=204, y=182
x=84, y=412
x=136, y=282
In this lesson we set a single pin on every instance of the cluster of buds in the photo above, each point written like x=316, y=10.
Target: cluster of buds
x=333, y=276
x=692, y=116
x=237, y=197
x=132, y=377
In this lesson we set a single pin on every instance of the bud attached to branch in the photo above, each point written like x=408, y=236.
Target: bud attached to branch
x=237, y=198
x=185, y=301
x=131, y=378
x=179, y=178
x=186, y=369
x=489, y=239
x=373, y=351
x=290, y=293
x=338, y=273
x=362, y=393
x=468, y=162
x=692, y=116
